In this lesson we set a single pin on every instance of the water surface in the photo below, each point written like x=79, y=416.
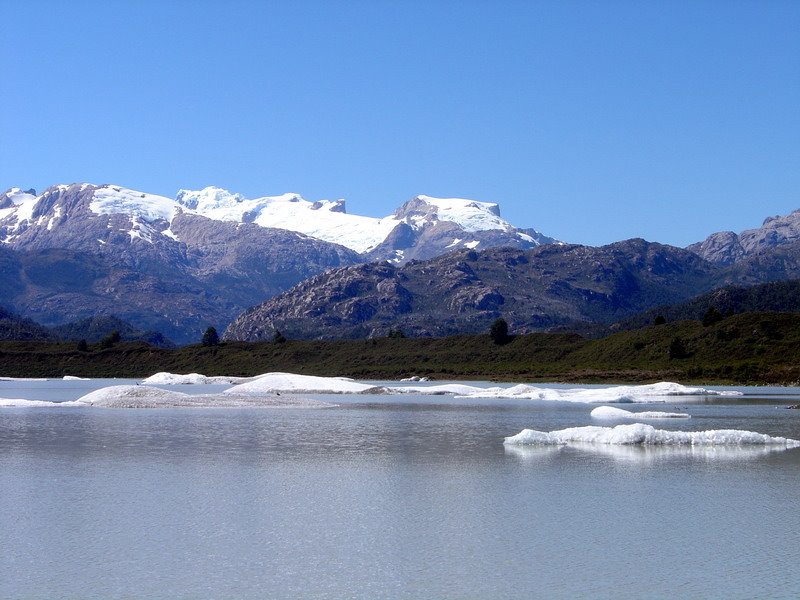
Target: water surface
x=388, y=497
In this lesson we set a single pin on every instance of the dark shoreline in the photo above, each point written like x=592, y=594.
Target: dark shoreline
x=754, y=348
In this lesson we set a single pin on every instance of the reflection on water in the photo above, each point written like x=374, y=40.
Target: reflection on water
x=647, y=454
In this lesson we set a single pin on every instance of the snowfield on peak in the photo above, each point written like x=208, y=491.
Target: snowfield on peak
x=325, y=220
x=471, y=215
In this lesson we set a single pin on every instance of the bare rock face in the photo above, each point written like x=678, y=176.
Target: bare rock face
x=727, y=247
x=463, y=292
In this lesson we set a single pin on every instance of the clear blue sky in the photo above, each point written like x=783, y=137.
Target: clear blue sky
x=590, y=121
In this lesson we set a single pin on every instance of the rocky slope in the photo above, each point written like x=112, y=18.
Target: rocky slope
x=727, y=247
x=463, y=292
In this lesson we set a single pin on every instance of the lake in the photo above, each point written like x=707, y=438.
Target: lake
x=411, y=496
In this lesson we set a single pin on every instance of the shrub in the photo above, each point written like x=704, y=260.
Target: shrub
x=659, y=320
x=712, y=316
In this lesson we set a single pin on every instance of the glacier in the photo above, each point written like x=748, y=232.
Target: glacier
x=327, y=220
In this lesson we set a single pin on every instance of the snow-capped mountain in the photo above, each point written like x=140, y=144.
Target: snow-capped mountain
x=179, y=265
x=421, y=228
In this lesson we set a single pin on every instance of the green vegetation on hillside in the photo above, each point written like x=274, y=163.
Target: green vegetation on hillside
x=747, y=348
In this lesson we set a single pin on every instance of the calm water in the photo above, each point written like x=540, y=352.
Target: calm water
x=387, y=497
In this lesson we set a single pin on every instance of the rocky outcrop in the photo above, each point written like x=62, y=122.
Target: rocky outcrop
x=727, y=247
x=463, y=292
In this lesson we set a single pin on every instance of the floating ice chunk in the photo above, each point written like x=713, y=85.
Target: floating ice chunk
x=164, y=378
x=647, y=435
x=140, y=396
x=452, y=389
x=655, y=392
x=73, y=378
x=609, y=412
x=20, y=403
x=306, y=384
x=415, y=378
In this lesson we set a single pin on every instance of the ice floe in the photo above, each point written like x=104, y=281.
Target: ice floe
x=141, y=396
x=647, y=435
x=655, y=392
x=19, y=402
x=164, y=378
x=452, y=389
x=610, y=412
x=304, y=384
x=73, y=378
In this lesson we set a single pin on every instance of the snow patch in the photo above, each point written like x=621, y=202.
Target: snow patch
x=647, y=435
x=470, y=215
x=109, y=199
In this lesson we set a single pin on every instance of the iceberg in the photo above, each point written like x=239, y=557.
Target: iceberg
x=655, y=392
x=647, y=435
x=303, y=384
x=610, y=412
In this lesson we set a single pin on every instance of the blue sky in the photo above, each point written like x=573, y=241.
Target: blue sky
x=590, y=121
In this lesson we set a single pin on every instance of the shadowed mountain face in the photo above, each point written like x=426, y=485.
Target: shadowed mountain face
x=463, y=292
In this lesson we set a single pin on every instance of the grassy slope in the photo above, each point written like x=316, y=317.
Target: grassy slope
x=748, y=348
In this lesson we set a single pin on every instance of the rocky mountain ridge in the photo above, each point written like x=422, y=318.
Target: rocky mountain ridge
x=552, y=287
x=727, y=247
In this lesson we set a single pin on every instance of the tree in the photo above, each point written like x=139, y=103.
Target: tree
x=499, y=331
x=210, y=337
x=278, y=337
x=111, y=339
x=83, y=346
x=712, y=316
x=396, y=333
x=677, y=349
x=659, y=320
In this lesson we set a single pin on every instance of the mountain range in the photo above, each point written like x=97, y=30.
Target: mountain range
x=180, y=265
x=556, y=286
x=435, y=266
